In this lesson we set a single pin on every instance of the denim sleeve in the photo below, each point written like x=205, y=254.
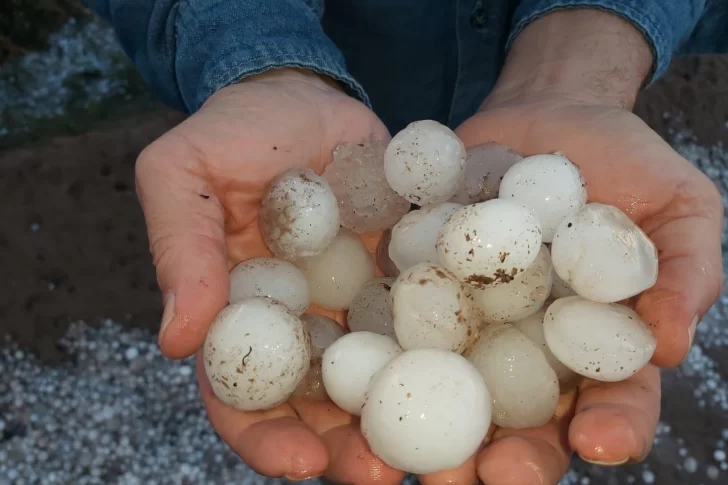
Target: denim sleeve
x=188, y=49
x=665, y=24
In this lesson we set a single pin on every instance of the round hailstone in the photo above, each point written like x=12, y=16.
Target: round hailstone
x=349, y=364
x=371, y=310
x=603, y=255
x=489, y=242
x=550, y=184
x=336, y=275
x=384, y=262
x=255, y=354
x=323, y=332
x=532, y=327
x=519, y=298
x=431, y=310
x=559, y=288
x=523, y=387
x=414, y=236
x=299, y=215
x=484, y=168
x=425, y=162
x=602, y=341
x=356, y=176
x=428, y=410
x=270, y=278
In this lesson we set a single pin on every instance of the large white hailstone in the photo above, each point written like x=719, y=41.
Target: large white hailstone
x=371, y=309
x=384, y=262
x=425, y=162
x=336, y=275
x=299, y=215
x=270, y=278
x=519, y=298
x=349, y=364
x=489, y=242
x=560, y=288
x=414, y=236
x=523, y=387
x=323, y=332
x=532, y=327
x=602, y=341
x=431, y=310
x=428, y=410
x=484, y=168
x=356, y=176
x=550, y=184
x=604, y=256
x=255, y=354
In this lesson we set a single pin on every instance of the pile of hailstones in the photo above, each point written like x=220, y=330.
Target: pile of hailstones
x=497, y=294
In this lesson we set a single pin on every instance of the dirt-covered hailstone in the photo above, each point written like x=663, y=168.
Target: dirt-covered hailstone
x=323, y=331
x=270, y=278
x=371, y=309
x=484, y=168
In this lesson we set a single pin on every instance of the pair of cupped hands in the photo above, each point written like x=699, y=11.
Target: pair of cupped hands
x=200, y=186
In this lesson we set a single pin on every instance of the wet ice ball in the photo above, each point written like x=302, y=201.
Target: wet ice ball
x=550, y=184
x=349, y=364
x=427, y=410
x=489, y=242
x=270, y=278
x=414, y=236
x=602, y=341
x=255, y=354
x=384, y=262
x=371, y=309
x=484, y=168
x=323, y=331
x=604, y=256
x=425, y=162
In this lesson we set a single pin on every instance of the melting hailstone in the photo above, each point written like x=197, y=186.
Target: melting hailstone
x=559, y=288
x=371, y=309
x=323, y=331
x=484, y=168
x=270, y=278
x=384, y=262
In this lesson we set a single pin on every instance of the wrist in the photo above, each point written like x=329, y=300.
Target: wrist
x=584, y=54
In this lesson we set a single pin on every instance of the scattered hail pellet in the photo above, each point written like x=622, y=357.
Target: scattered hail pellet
x=603, y=255
x=299, y=215
x=532, y=327
x=270, y=278
x=384, y=262
x=414, y=236
x=323, y=332
x=356, y=176
x=519, y=298
x=371, y=309
x=602, y=341
x=427, y=410
x=349, y=364
x=559, y=287
x=255, y=354
x=550, y=184
x=425, y=162
x=484, y=168
x=431, y=310
x=336, y=275
x=489, y=242
x=523, y=387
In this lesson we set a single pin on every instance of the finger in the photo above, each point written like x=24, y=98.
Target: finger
x=465, y=474
x=616, y=422
x=187, y=239
x=274, y=443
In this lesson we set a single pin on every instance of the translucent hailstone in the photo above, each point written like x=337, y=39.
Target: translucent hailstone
x=532, y=327
x=431, y=310
x=270, y=278
x=519, y=298
x=323, y=331
x=484, y=168
x=523, y=387
x=603, y=255
x=425, y=162
x=299, y=215
x=427, y=410
x=384, y=262
x=255, y=354
x=349, y=364
x=603, y=341
x=550, y=184
x=559, y=288
x=489, y=242
x=371, y=309
x=414, y=236
x=356, y=176
x=336, y=275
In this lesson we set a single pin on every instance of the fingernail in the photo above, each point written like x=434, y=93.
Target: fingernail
x=298, y=479
x=168, y=314
x=605, y=463
x=691, y=331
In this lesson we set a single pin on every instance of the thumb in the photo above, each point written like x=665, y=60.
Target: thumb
x=185, y=224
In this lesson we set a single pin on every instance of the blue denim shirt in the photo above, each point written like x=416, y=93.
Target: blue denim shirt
x=407, y=59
